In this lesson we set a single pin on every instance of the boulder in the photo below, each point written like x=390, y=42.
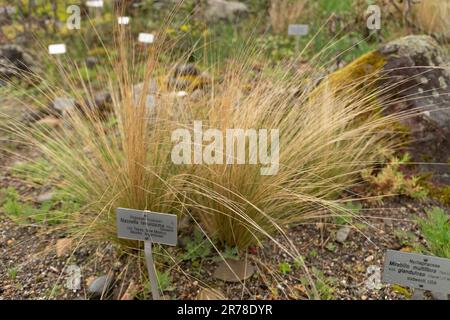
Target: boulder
x=414, y=74
x=418, y=70
x=6, y=13
x=188, y=77
x=188, y=69
x=224, y=10
x=102, y=103
x=14, y=61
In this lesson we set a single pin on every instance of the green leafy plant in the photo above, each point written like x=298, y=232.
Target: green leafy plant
x=331, y=246
x=324, y=285
x=349, y=209
x=229, y=253
x=13, y=207
x=164, y=284
x=406, y=238
x=391, y=180
x=164, y=281
x=54, y=292
x=284, y=268
x=37, y=171
x=197, y=247
x=313, y=253
x=435, y=229
x=12, y=273
x=52, y=212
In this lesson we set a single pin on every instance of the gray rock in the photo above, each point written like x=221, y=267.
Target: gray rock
x=188, y=69
x=103, y=101
x=91, y=62
x=6, y=13
x=210, y=294
x=234, y=270
x=99, y=103
x=342, y=234
x=418, y=72
x=100, y=287
x=373, y=278
x=45, y=197
x=73, y=281
x=164, y=4
x=224, y=10
x=15, y=61
x=8, y=10
x=63, y=104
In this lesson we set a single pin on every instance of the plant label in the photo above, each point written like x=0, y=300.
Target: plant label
x=298, y=30
x=146, y=37
x=94, y=3
x=182, y=94
x=57, y=48
x=417, y=271
x=150, y=227
x=147, y=226
x=123, y=20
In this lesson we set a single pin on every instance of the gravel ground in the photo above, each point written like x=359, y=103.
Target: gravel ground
x=30, y=268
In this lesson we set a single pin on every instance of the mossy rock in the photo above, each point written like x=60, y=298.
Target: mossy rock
x=414, y=76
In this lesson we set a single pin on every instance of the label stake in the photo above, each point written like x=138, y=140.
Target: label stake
x=298, y=30
x=150, y=227
x=151, y=270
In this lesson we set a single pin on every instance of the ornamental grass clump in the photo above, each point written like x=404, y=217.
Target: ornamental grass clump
x=318, y=141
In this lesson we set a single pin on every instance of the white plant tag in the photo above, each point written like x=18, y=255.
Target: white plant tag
x=94, y=3
x=298, y=29
x=146, y=37
x=57, y=48
x=147, y=226
x=123, y=20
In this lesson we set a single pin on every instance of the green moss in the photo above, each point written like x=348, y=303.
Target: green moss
x=369, y=64
x=440, y=194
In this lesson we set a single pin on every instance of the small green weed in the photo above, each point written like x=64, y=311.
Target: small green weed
x=435, y=229
x=197, y=247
